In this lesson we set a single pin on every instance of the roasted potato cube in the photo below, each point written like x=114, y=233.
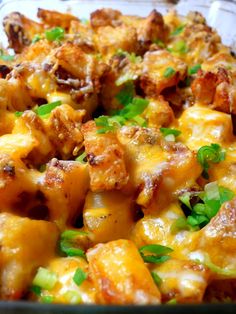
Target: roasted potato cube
x=20, y=30
x=105, y=156
x=25, y=245
x=186, y=284
x=105, y=17
x=154, y=78
x=64, y=186
x=120, y=275
x=108, y=216
x=158, y=113
x=108, y=40
x=218, y=239
x=55, y=18
x=63, y=129
x=157, y=168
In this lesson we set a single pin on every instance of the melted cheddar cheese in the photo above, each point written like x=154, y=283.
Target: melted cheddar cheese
x=116, y=135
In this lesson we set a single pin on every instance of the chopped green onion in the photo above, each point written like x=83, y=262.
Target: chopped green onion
x=56, y=33
x=172, y=301
x=159, y=42
x=47, y=108
x=178, y=30
x=206, y=154
x=105, y=123
x=194, y=69
x=19, y=113
x=185, y=199
x=135, y=108
x=36, y=290
x=209, y=204
x=179, y=224
x=158, y=250
x=79, y=277
x=81, y=158
x=179, y=47
x=168, y=131
x=68, y=243
x=47, y=299
x=72, y=297
x=131, y=56
x=5, y=57
x=36, y=38
x=157, y=279
x=169, y=72
x=45, y=279
x=126, y=95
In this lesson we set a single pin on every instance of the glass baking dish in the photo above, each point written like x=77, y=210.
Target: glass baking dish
x=220, y=14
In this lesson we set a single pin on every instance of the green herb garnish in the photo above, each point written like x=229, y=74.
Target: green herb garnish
x=159, y=42
x=169, y=72
x=80, y=276
x=178, y=30
x=179, y=47
x=157, y=279
x=54, y=34
x=81, y=158
x=209, y=154
x=169, y=131
x=126, y=95
x=19, y=113
x=5, y=57
x=36, y=38
x=36, y=290
x=47, y=108
x=209, y=203
x=194, y=69
x=157, y=255
x=47, y=299
x=45, y=279
x=68, y=243
x=131, y=56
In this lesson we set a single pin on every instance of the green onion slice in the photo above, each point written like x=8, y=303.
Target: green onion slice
x=168, y=131
x=194, y=69
x=209, y=154
x=157, y=251
x=56, y=33
x=169, y=72
x=47, y=108
x=68, y=243
x=157, y=279
x=79, y=277
x=45, y=279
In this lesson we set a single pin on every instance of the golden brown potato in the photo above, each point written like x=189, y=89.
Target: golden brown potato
x=120, y=275
x=108, y=40
x=154, y=78
x=20, y=30
x=28, y=245
x=108, y=216
x=55, y=18
x=105, y=156
x=157, y=168
x=218, y=239
x=105, y=17
x=158, y=113
x=64, y=187
x=63, y=129
x=186, y=284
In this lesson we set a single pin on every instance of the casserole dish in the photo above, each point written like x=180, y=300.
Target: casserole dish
x=211, y=12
